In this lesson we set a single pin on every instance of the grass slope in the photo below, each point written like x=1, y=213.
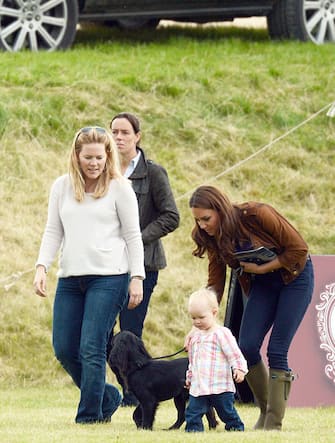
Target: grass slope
x=208, y=98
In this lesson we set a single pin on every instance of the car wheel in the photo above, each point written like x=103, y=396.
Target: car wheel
x=37, y=24
x=132, y=24
x=303, y=20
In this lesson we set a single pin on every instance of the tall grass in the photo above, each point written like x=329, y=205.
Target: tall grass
x=207, y=98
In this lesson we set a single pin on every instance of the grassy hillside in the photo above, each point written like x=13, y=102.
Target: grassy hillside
x=208, y=98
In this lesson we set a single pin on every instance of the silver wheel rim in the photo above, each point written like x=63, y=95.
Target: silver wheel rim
x=319, y=20
x=32, y=24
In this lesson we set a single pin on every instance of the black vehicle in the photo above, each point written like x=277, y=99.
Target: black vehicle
x=51, y=24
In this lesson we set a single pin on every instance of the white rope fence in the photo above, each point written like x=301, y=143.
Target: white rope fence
x=13, y=278
x=330, y=113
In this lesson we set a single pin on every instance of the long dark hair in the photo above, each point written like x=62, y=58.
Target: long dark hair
x=209, y=197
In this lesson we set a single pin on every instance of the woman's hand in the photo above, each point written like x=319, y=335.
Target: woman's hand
x=253, y=268
x=238, y=375
x=40, y=281
x=135, y=292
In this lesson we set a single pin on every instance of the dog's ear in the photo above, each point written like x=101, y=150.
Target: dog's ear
x=118, y=357
x=142, y=356
x=128, y=353
x=121, y=361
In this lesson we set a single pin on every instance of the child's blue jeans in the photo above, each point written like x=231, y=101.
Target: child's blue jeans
x=222, y=403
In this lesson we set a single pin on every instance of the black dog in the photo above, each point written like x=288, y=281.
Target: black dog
x=151, y=380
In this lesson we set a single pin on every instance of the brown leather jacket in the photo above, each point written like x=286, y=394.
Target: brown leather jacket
x=265, y=227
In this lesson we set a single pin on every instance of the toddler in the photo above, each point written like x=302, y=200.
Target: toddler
x=215, y=361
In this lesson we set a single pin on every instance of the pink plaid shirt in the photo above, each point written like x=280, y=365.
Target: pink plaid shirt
x=212, y=356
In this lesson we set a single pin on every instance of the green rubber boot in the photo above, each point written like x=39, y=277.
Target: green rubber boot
x=258, y=380
x=279, y=390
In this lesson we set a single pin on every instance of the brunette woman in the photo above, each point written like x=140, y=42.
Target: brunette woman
x=279, y=291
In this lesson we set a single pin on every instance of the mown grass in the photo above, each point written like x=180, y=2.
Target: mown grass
x=207, y=98
x=37, y=415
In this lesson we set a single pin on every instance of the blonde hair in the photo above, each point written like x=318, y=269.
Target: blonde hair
x=206, y=295
x=112, y=168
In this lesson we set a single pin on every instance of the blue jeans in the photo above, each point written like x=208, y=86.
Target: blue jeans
x=133, y=319
x=271, y=303
x=222, y=403
x=85, y=309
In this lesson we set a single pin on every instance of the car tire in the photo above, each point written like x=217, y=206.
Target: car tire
x=37, y=25
x=133, y=24
x=306, y=20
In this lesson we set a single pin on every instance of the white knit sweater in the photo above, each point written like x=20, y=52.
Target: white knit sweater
x=96, y=236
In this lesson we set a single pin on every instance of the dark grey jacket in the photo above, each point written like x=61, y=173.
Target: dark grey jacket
x=158, y=211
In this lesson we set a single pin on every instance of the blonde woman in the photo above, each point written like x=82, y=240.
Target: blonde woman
x=93, y=220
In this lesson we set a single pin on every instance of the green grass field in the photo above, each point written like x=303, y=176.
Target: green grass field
x=210, y=99
x=37, y=415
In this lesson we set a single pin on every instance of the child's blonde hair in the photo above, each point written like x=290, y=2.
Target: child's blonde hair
x=204, y=294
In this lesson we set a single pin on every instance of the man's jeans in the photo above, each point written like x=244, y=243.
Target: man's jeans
x=85, y=310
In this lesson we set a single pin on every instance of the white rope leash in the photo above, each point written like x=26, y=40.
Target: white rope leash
x=12, y=279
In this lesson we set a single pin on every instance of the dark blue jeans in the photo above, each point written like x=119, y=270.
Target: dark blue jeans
x=85, y=310
x=271, y=303
x=222, y=403
x=133, y=319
